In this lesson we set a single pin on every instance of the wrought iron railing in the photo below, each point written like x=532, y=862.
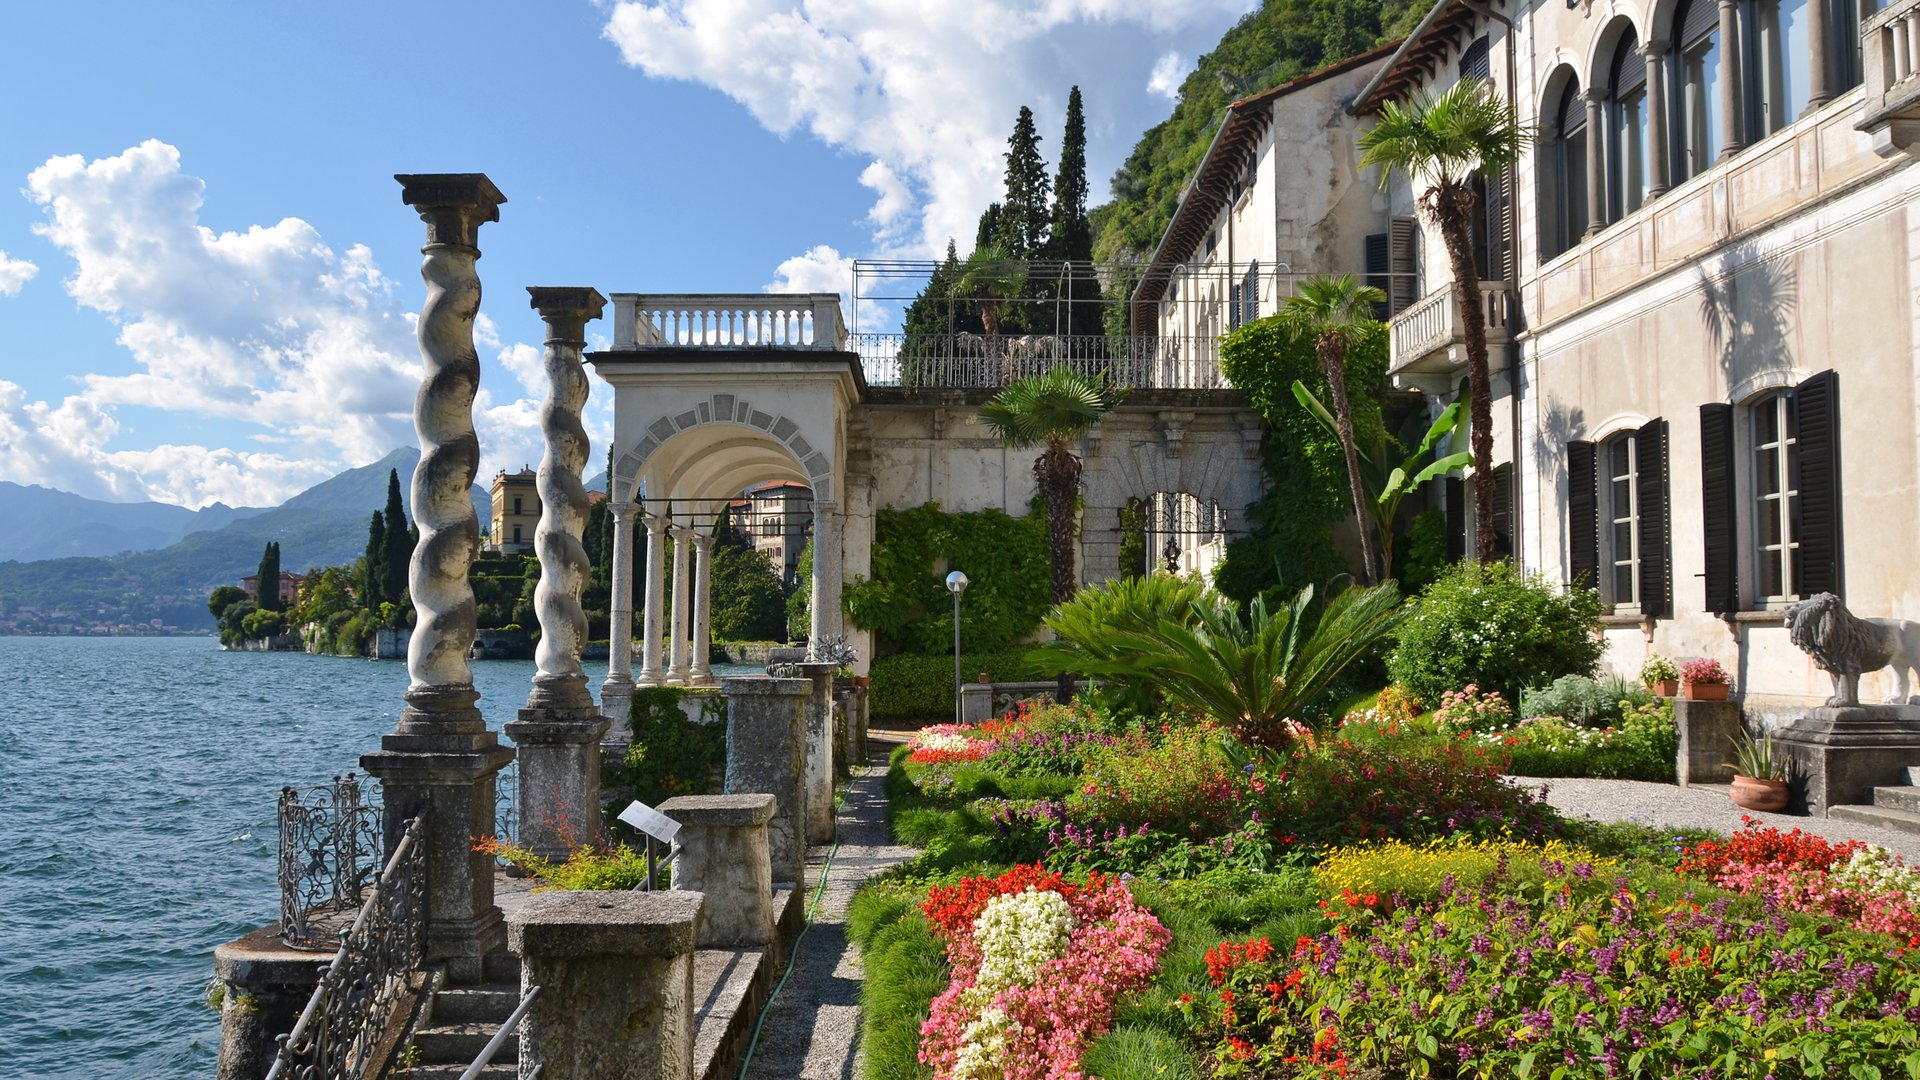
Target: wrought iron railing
x=506, y=803
x=966, y=360
x=329, y=854
x=338, y=1035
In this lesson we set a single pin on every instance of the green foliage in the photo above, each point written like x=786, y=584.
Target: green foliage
x=915, y=686
x=396, y=544
x=906, y=603
x=1497, y=627
x=1291, y=544
x=800, y=600
x=498, y=587
x=1640, y=745
x=749, y=603
x=1445, y=138
x=371, y=572
x=233, y=621
x=1183, y=781
x=671, y=754
x=586, y=868
x=267, y=587
x=1025, y=212
x=223, y=598
x=1426, y=554
x=905, y=968
x=1584, y=702
x=1250, y=671
x=1282, y=40
x=263, y=624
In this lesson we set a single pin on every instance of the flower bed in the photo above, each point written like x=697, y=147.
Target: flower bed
x=1855, y=883
x=1038, y=964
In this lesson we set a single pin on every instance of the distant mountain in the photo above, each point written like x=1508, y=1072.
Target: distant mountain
x=326, y=525
x=41, y=523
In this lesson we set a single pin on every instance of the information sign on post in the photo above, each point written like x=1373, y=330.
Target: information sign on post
x=646, y=819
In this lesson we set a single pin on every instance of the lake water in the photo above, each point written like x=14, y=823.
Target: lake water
x=137, y=829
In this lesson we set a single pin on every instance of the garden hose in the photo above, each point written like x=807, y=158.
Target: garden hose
x=813, y=909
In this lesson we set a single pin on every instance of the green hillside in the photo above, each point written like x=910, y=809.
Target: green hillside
x=1283, y=40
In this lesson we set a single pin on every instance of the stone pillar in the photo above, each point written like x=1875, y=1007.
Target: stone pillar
x=1840, y=753
x=848, y=749
x=1732, y=92
x=558, y=733
x=1820, y=50
x=679, y=670
x=264, y=988
x=651, y=672
x=617, y=692
x=976, y=702
x=1596, y=162
x=701, y=672
x=441, y=760
x=724, y=856
x=827, y=558
x=819, y=768
x=1660, y=152
x=615, y=971
x=1709, y=731
x=766, y=754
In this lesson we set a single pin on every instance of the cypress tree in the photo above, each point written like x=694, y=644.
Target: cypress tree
x=266, y=594
x=988, y=231
x=372, y=564
x=936, y=309
x=1072, y=236
x=399, y=544
x=1023, y=217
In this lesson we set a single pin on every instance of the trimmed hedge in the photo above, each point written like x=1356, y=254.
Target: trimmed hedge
x=913, y=686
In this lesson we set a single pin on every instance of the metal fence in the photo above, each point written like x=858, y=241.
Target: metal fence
x=338, y=1035
x=966, y=360
x=329, y=854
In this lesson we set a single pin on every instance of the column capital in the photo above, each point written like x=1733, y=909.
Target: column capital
x=622, y=508
x=566, y=310
x=1594, y=96
x=454, y=205
x=657, y=525
x=1655, y=47
x=702, y=540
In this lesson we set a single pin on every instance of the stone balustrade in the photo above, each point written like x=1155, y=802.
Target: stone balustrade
x=723, y=854
x=766, y=754
x=728, y=320
x=1428, y=337
x=1890, y=51
x=616, y=976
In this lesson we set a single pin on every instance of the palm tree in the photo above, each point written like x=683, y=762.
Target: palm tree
x=1442, y=141
x=991, y=278
x=1335, y=312
x=1051, y=411
x=1251, y=670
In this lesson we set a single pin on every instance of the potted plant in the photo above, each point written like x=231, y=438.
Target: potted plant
x=1759, y=775
x=1661, y=675
x=1703, y=680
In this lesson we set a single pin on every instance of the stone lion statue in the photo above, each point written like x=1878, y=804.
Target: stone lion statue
x=1846, y=645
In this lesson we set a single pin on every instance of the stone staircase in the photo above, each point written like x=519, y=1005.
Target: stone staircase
x=460, y=1020
x=1895, y=806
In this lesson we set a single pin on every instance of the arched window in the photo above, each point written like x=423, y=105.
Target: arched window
x=1566, y=173
x=1847, y=15
x=1627, y=129
x=1697, y=123
x=1779, y=77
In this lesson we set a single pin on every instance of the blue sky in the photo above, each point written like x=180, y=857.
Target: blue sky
x=207, y=271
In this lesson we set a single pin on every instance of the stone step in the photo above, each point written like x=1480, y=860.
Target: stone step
x=1913, y=774
x=502, y=966
x=1900, y=797
x=494, y=1071
x=486, y=1003
x=1884, y=817
x=448, y=1043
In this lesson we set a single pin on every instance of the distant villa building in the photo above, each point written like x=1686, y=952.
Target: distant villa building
x=516, y=511
x=775, y=517
x=289, y=585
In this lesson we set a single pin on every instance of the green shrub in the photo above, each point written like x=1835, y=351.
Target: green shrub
x=1493, y=625
x=1185, y=782
x=906, y=603
x=1640, y=746
x=905, y=969
x=1585, y=702
x=910, y=686
x=670, y=754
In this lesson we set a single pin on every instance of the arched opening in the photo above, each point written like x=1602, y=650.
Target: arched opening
x=1628, y=154
x=1563, y=176
x=1697, y=123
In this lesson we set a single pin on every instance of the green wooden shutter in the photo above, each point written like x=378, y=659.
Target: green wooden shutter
x=1656, y=528
x=1717, y=510
x=1583, y=516
x=1817, y=405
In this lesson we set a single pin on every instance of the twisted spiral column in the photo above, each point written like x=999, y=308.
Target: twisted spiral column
x=559, y=682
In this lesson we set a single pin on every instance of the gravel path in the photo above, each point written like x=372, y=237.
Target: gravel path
x=812, y=1029
x=1705, y=806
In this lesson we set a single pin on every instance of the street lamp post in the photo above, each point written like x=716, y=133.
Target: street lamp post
x=956, y=584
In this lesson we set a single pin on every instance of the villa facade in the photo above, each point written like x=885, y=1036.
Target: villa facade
x=1699, y=283
x=516, y=511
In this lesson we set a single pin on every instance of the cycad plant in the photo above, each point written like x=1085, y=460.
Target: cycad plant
x=1251, y=670
x=1332, y=312
x=1442, y=141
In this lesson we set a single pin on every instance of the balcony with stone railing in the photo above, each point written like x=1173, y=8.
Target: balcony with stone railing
x=728, y=321
x=1890, y=49
x=1428, y=341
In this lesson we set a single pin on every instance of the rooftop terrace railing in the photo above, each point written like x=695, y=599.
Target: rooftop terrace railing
x=728, y=321
x=973, y=361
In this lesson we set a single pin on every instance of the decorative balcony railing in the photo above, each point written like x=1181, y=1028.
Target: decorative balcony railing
x=974, y=361
x=1428, y=338
x=1890, y=49
x=329, y=854
x=728, y=320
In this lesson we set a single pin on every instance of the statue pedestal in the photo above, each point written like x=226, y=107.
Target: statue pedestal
x=1841, y=753
x=1709, y=732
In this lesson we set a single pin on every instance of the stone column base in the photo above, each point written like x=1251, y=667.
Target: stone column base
x=559, y=778
x=766, y=754
x=616, y=703
x=723, y=855
x=1709, y=733
x=265, y=986
x=1841, y=753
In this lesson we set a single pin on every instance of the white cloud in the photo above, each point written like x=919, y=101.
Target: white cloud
x=14, y=273
x=1167, y=74
x=267, y=329
x=927, y=91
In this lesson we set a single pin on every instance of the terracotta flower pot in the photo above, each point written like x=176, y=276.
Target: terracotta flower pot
x=1704, y=691
x=1753, y=793
x=1667, y=688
